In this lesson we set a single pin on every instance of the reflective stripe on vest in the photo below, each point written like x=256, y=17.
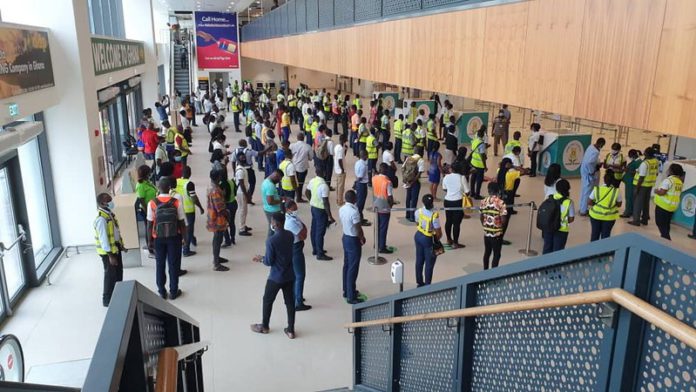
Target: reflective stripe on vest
x=670, y=200
x=286, y=182
x=234, y=104
x=651, y=177
x=111, y=222
x=316, y=200
x=407, y=146
x=232, y=197
x=398, y=128
x=370, y=147
x=608, y=161
x=362, y=130
x=512, y=144
x=181, y=184
x=422, y=218
x=604, y=207
x=564, y=215
x=476, y=159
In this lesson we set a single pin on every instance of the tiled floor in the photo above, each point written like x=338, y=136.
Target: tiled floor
x=61, y=322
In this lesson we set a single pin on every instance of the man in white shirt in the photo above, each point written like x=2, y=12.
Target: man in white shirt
x=301, y=154
x=361, y=181
x=353, y=240
x=241, y=178
x=534, y=146
x=318, y=194
x=517, y=158
x=456, y=186
x=330, y=162
x=207, y=104
x=339, y=154
x=228, y=93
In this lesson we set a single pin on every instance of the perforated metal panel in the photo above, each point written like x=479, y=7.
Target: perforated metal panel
x=429, y=348
x=326, y=14
x=544, y=350
x=374, y=349
x=301, y=12
x=440, y=3
x=154, y=340
x=666, y=363
x=312, y=15
x=367, y=10
x=343, y=12
x=392, y=7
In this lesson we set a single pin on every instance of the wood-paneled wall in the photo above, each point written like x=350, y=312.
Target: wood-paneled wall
x=625, y=62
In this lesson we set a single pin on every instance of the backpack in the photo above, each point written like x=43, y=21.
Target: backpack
x=323, y=150
x=549, y=215
x=166, y=219
x=410, y=170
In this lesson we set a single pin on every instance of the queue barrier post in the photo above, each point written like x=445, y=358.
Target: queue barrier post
x=376, y=259
x=528, y=251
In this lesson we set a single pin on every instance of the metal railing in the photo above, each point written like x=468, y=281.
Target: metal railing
x=301, y=16
x=585, y=319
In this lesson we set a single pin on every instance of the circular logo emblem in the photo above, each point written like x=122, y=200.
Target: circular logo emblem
x=572, y=155
x=473, y=126
x=388, y=102
x=425, y=108
x=688, y=205
x=546, y=160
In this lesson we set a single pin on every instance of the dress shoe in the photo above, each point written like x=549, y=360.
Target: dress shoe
x=259, y=328
x=355, y=301
x=506, y=242
x=223, y=260
x=220, y=267
x=226, y=245
x=693, y=237
x=163, y=295
x=245, y=233
x=182, y=272
x=303, y=307
x=324, y=258
x=634, y=223
x=175, y=295
x=290, y=334
x=189, y=254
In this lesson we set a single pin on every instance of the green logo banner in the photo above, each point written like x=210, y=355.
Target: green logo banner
x=111, y=55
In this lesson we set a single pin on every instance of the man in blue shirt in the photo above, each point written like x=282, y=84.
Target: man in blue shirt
x=589, y=173
x=270, y=197
x=294, y=224
x=281, y=277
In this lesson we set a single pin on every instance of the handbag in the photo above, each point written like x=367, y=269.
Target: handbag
x=438, y=248
x=467, y=203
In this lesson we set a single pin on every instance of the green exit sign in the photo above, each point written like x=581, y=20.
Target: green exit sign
x=14, y=109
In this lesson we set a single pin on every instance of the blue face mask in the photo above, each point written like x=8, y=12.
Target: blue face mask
x=177, y=159
x=110, y=205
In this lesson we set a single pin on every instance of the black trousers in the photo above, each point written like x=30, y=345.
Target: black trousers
x=269, y=296
x=217, y=244
x=533, y=161
x=641, y=204
x=492, y=245
x=453, y=220
x=112, y=274
x=252, y=181
x=232, y=229
x=663, y=219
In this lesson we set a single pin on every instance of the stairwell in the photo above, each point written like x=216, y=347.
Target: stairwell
x=181, y=74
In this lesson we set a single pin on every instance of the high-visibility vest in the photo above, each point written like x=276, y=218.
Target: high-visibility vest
x=476, y=158
x=430, y=126
x=670, y=200
x=620, y=161
x=362, y=133
x=179, y=142
x=564, y=215
x=384, y=123
x=407, y=146
x=370, y=147
x=232, y=197
x=604, y=207
x=171, y=135
x=111, y=223
x=512, y=144
x=651, y=177
x=419, y=137
x=426, y=221
x=234, y=105
x=285, y=119
x=398, y=128
x=356, y=102
x=292, y=101
x=286, y=181
x=246, y=97
x=412, y=114
x=181, y=184
x=307, y=125
x=326, y=103
x=380, y=186
x=314, y=129
x=316, y=200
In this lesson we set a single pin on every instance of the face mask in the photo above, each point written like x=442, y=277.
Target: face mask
x=273, y=228
x=177, y=159
x=292, y=213
x=614, y=152
x=110, y=205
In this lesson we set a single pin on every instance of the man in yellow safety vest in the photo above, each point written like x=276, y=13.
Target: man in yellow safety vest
x=667, y=198
x=644, y=180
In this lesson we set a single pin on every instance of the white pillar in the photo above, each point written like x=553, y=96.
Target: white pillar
x=139, y=20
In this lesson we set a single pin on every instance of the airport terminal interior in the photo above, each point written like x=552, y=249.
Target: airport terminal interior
x=335, y=195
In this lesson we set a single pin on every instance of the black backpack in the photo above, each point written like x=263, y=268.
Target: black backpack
x=166, y=219
x=549, y=215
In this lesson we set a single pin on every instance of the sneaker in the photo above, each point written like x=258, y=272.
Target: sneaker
x=259, y=328
x=361, y=296
x=244, y=233
x=324, y=258
x=194, y=241
x=355, y=301
x=365, y=224
x=226, y=245
x=302, y=307
x=175, y=295
x=188, y=254
x=220, y=268
x=222, y=260
x=247, y=228
x=290, y=334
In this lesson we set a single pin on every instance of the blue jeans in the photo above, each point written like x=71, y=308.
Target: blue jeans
x=601, y=229
x=412, y=200
x=361, y=190
x=188, y=238
x=383, y=226
x=319, y=221
x=167, y=252
x=588, y=181
x=424, y=258
x=371, y=169
x=354, y=143
x=476, y=181
x=554, y=240
x=298, y=265
x=286, y=134
x=352, y=252
x=289, y=194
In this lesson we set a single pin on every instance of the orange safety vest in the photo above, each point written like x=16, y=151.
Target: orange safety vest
x=380, y=183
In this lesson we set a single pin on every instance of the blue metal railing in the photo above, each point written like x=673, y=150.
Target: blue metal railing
x=568, y=349
x=301, y=16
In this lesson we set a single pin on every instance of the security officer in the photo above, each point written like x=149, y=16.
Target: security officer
x=383, y=200
x=604, y=204
x=515, y=142
x=107, y=237
x=667, y=197
x=644, y=180
x=409, y=141
x=289, y=181
x=371, y=148
x=317, y=193
x=398, y=129
x=431, y=133
x=235, y=108
x=478, y=162
x=187, y=190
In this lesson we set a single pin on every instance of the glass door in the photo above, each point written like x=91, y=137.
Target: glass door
x=12, y=259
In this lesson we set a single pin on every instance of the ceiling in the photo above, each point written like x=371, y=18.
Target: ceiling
x=204, y=5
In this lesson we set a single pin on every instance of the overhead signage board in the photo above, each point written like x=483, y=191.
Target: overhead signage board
x=111, y=55
x=25, y=61
x=217, y=46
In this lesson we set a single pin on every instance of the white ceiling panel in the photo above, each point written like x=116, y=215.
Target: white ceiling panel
x=205, y=5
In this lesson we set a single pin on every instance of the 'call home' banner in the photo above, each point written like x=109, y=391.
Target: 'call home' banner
x=114, y=54
x=25, y=61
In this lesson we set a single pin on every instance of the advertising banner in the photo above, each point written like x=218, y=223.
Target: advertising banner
x=25, y=61
x=111, y=55
x=217, y=46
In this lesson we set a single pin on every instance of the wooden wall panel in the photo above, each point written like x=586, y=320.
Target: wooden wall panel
x=551, y=54
x=503, y=53
x=618, y=58
x=674, y=93
x=592, y=59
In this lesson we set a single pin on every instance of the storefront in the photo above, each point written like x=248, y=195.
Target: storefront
x=120, y=113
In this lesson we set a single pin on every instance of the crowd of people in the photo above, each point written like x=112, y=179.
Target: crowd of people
x=285, y=135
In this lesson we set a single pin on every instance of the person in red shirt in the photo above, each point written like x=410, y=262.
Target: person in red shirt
x=151, y=141
x=178, y=165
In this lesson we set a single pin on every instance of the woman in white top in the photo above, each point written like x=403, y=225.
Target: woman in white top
x=553, y=175
x=455, y=186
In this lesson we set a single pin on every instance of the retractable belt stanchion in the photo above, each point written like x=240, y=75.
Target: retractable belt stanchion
x=376, y=259
x=527, y=251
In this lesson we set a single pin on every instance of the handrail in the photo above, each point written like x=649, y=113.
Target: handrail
x=168, y=364
x=669, y=324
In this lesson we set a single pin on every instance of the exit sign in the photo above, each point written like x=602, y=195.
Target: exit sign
x=14, y=109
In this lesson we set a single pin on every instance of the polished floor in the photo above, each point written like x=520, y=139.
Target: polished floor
x=61, y=322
